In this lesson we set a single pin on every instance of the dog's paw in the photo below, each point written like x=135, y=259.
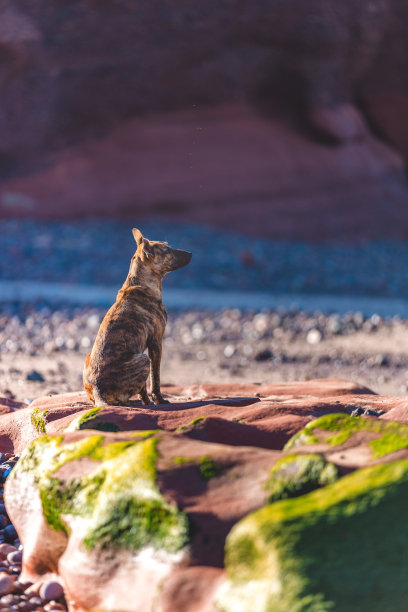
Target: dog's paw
x=159, y=399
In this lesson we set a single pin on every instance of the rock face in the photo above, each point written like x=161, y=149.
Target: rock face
x=275, y=181
x=108, y=61
x=132, y=507
x=130, y=93
x=27, y=105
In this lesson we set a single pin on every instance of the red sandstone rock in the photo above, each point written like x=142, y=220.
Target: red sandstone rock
x=9, y=405
x=254, y=415
x=82, y=69
x=296, y=177
x=94, y=577
x=108, y=62
x=238, y=434
x=191, y=589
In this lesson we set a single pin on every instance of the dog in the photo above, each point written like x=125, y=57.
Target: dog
x=117, y=367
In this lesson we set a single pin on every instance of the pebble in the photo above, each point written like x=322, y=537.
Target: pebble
x=15, y=557
x=35, y=376
x=6, y=549
x=264, y=355
x=51, y=590
x=314, y=336
x=229, y=350
x=10, y=533
x=6, y=584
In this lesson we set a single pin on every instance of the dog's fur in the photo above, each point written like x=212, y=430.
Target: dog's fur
x=117, y=368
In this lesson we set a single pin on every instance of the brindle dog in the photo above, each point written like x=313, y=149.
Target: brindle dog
x=117, y=368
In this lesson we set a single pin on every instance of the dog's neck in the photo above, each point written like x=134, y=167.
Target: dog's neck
x=142, y=275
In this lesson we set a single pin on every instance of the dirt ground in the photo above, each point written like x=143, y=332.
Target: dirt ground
x=375, y=359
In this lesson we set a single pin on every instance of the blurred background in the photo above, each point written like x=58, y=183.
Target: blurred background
x=269, y=138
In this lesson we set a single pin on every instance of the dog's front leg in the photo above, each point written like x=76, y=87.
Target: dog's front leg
x=155, y=353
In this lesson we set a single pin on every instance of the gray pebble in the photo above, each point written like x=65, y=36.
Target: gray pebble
x=51, y=590
x=35, y=376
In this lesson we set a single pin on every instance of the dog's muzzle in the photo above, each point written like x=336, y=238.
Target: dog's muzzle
x=182, y=258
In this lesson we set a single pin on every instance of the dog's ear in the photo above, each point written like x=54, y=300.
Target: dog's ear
x=146, y=249
x=137, y=235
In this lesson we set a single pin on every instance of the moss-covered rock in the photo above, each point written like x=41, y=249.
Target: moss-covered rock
x=298, y=474
x=196, y=423
x=117, y=499
x=207, y=467
x=339, y=549
x=337, y=429
x=89, y=420
x=38, y=420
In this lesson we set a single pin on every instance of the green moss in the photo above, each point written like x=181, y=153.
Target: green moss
x=194, y=423
x=394, y=438
x=86, y=421
x=390, y=436
x=208, y=468
x=198, y=420
x=182, y=460
x=303, y=437
x=138, y=523
x=339, y=548
x=299, y=474
x=342, y=424
x=146, y=433
x=38, y=420
x=118, y=499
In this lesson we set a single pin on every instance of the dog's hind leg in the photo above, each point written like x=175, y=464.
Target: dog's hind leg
x=125, y=380
x=132, y=377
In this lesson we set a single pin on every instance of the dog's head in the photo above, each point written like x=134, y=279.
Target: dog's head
x=159, y=255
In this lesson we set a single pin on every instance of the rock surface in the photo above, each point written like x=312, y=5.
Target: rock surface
x=324, y=550
x=109, y=61
x=255, y=415
x=149, y=136
x=321, y=550
x=140, y=500
x=281, y=185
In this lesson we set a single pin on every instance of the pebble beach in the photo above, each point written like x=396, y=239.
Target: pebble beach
x=98, y=251
x=43, y=344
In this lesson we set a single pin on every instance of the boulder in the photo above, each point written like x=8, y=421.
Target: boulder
x=321, y=550
x=114, y=514
x=210, y=503
x=338, y=548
